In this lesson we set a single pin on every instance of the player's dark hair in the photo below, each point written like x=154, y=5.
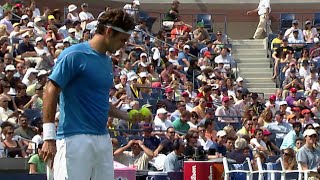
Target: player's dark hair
x=115, y=17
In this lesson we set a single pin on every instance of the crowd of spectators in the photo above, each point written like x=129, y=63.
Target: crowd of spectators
x=185, y=75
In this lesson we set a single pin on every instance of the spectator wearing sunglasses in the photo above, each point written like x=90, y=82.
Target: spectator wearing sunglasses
x=309, y=156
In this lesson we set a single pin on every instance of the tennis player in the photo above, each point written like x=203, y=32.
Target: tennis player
x=81, y=149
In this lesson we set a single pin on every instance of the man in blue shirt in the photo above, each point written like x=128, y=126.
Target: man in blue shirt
x=183, y=57
x=82, y=77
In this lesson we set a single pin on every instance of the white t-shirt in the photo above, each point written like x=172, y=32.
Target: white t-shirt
x=36, y=13
x=41, y=52
x=256, y=144
x=161, y=125
x=85, y=16
x=263, y=5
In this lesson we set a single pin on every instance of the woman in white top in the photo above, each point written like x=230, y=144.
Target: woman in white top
x=309, y=32
x=73, y=14
x=34, y=9
x=172, y=57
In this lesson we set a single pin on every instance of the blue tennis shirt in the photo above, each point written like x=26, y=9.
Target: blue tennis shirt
x=85, y=78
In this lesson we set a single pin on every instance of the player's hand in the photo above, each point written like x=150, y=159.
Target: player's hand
x=49, y=150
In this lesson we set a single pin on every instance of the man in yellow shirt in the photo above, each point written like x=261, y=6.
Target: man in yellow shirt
x=276, y=42
x=245, y=130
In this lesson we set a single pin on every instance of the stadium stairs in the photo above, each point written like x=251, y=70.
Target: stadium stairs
x=253, y=65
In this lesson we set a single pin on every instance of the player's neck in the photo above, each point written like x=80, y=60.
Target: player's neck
x=98, y=44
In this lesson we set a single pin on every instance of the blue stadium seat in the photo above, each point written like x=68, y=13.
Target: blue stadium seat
x=316, y=21
x=207, y=19
x=286, y=20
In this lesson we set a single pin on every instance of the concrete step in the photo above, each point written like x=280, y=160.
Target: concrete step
x=247, y=46
x=263, y=90
x=247, y=42
x=258, y=80
x=264, y=70
x=255, y=51
x=252, y=64
x=245, y=74
x=261, y=85
x=251, y=59
x=249, y=55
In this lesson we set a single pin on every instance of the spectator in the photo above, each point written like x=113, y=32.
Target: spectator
x=241, y=152
x=181, y=107
x=295, y=40
x=150, y=140
x=226, y=113
x=309, y=32
x=24, y=130
x=169, y=102
x=309, y=156
x=7, y=21
x=246, y=129
x=34, y=9
x=161, y=120
x=210, y=130
x=289, y=159
x=276, y=42
x=138, y=157
x=5, y=113
x=30, y=77
x=203, y=140
x=298, y=144
x=289, y=140
x=36, y=162
x=218, y=148
x=273, y=149
x=201, y=34
x=72, y=37
x=289, y=32
x=22, y=100
x=230, y=144
x=200, y=109
x=13, y=147
x=257, y=143
x=39, y=29
x=172, y=16
x=311, y=79
x=181, y=124
x=166, y=145
x=85, y=16
x=25, y=48
x=173, y=161
x=133, y=8
x=279, y=128
x=72, y=13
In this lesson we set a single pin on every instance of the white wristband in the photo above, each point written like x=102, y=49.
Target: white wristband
x=49, y=131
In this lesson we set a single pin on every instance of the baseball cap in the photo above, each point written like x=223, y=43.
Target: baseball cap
x=38, y=39
x=143, y=54
x=207, y=53
x=295, y=22
x=283, y=103
x=16, y=24
x=133, y=77
x=293, y=90
x=30, y=25
x=225, y=99
x=221, y=133
x=305, y=111
x=146, y=106
x=136, y=2
x=290, y=116
x=72, y=7
x=185, y=94
x=186, y=47
x=309, y=132
x=25, y=34
x=10, y=67
x=266, y=132
x=295, y=30
x=51, y=17
x=273, y=97
x=42, y=72
x=72, y=30
x=316, y=125
x=215, y=86
x=171, y=49
x=239, y=79
x=200, y=24
x=84, y=5
x=24, y=17
x=143, y=74
x=295, y=109
x=169, y=90
x=162, y=111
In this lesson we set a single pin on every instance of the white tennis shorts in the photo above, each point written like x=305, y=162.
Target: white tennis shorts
x=84, y=157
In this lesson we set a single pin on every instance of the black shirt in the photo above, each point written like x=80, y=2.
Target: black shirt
x=170, y=105
x=23, y=47
x=167, y=146
x=171, y=16
x=151, y=142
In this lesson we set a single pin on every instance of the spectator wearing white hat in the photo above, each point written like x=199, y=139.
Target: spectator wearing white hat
x=68, y=23
x=183, y=57
x=73, y=14
x=39, y=29
x=72, y=37
x=24, y=21
x=143, y=81
x=25, y=48
x=161, y=120
x=308, y=156
x=41, y=79
x=218, y=148
x=135, y=92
